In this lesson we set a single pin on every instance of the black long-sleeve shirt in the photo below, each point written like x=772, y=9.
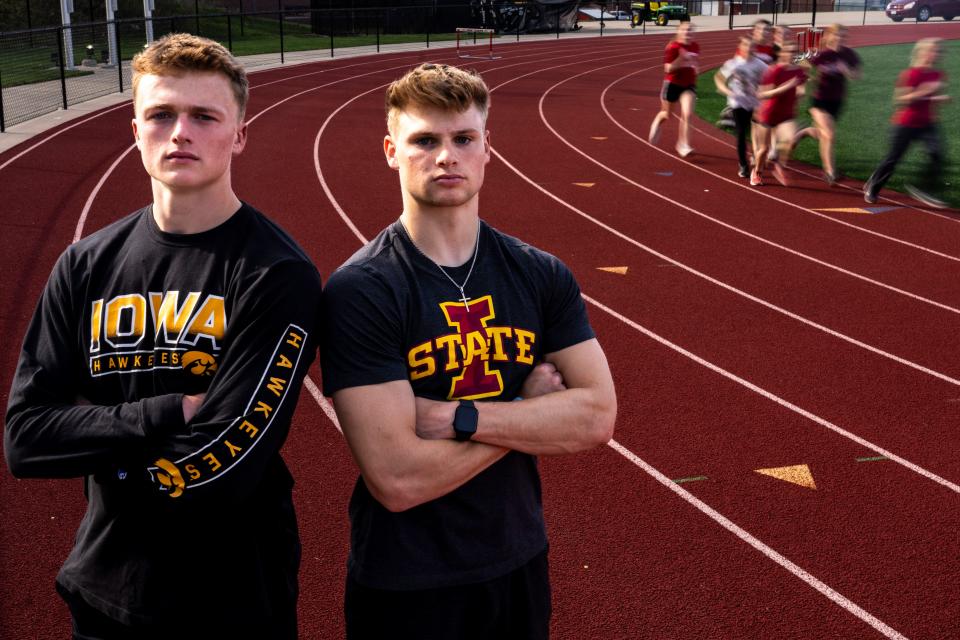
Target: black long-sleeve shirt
x=184, y=521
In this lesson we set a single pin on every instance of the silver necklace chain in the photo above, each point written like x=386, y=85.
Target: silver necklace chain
x=476, y=250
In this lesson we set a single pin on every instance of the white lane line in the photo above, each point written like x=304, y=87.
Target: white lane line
x=760, y=192
x=831, y=593
x=64, y=130
x=82, y=220
x=775, y=398
x=724, y=285
x=820, y=586
x=726, y=225
x=322, y=401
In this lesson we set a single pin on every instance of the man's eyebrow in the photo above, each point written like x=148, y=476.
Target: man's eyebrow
x=198, y=108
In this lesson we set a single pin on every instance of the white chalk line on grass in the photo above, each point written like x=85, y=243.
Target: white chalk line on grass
x=835, y=596
x=761, y=192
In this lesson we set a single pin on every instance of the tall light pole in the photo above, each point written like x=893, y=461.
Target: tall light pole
x=66, y=8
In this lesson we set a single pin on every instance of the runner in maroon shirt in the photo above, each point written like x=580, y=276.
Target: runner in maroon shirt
x=680, y=63
x=835, y=64
x=919, y=88
x=780, y=87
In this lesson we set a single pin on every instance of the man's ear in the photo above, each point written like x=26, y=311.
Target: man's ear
x=240, y=139
x=390, y=151
x=136, y=132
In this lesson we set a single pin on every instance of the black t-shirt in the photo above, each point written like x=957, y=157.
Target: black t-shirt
x=185, y=523
x=390, y=314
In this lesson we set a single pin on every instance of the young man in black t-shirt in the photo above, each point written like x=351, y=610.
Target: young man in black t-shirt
x=431, y=331
x=163, y=363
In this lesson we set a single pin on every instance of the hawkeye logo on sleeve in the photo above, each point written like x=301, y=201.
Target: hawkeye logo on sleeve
x=226, y=450
x=472, y=351
x=132, y=332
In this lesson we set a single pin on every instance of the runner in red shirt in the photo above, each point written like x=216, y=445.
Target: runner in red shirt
x=780, y=87
x=680, y=63
x=919, y=88
x=835, y=64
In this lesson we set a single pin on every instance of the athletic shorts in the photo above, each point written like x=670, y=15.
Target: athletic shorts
x=513, y=606
x=671, y=92
x=829, y=106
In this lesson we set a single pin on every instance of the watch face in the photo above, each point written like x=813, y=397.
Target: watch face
x=465, y=421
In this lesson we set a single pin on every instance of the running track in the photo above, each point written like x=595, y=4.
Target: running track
x=750, y=331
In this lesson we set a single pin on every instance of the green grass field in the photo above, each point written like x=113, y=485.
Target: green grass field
x=864, y=125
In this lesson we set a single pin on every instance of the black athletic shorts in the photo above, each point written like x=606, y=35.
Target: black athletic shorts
x=512, y=607
x=671, y=92
x=830, y=106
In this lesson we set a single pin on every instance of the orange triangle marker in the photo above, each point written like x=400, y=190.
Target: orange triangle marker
x=598, y=137
x=797, y=474
x=619, y=270
x=585, y=184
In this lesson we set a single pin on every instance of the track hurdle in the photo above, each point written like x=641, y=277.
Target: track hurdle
x=465, y=47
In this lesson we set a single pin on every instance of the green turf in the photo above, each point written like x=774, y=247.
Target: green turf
x=864, y=125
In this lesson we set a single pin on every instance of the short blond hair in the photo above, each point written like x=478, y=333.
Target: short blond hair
x=923, y=45
x=441, y=86
x=177, y=53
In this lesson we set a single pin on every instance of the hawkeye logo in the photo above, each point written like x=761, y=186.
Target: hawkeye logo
x=472, y=350
x=132, y=332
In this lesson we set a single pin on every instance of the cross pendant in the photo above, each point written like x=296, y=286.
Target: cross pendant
x=465, y=299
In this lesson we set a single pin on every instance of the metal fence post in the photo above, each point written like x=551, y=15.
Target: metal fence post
x=730, y=11
x=603, y=8
x=280, y=16
x=3, y=122
x=330, y=20
x=196, y=14
x=558, y=22
x=864, y=13
x=229, y=34
x=63, y=75
x=378, y=32
x=116, y=37
x=429, y=27
x=813, y=18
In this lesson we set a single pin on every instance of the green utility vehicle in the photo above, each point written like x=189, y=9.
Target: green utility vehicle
x=659, y=12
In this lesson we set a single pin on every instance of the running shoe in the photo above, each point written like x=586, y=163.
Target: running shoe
x=684, y=150
x=869, y=195
x=654, y=136
x=829, y=178
x=925, y=198
x=756, y=180
x=744, y=171
x=780, y=174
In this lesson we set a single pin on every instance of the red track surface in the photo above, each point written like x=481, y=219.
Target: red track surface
x=749, y=332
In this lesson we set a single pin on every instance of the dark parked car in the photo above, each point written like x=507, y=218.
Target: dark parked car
x=922, y=10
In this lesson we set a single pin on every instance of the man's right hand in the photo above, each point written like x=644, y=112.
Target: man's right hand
x=190, y=406
x=542, y=380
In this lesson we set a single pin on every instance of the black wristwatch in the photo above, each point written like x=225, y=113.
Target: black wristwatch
x=465, y=420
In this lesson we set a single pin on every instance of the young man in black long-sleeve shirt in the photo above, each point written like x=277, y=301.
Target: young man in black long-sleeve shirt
x=163, y=364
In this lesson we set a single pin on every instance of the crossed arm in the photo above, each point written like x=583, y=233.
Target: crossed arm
x=405, y=448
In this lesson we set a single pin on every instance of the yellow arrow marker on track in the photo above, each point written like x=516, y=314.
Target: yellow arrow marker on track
x=797, y=474
x=618, y=270
x=598, y=137
x=585, y=184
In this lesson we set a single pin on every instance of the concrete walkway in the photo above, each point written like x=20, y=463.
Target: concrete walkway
x=27, y=130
